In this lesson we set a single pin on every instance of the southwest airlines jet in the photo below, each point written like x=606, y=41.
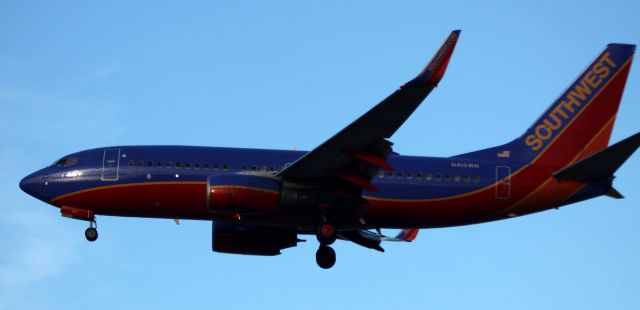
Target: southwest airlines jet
x=353, y=184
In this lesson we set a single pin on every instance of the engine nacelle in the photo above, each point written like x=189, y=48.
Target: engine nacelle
x=250, y=240
x=243, y=194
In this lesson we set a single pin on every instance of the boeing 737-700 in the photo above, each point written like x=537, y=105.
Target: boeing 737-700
x=353, y=184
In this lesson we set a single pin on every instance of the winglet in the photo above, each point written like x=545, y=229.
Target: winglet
x=434, y=71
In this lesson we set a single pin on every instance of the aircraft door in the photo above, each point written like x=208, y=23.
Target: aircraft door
x=110, y=165
x=503, y=182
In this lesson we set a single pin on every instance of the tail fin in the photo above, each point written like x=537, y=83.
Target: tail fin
x=579, y=122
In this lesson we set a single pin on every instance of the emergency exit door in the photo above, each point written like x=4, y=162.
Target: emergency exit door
x=503, y=182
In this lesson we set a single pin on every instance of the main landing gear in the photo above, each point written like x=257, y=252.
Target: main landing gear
x=92, y=232
x=326, y=256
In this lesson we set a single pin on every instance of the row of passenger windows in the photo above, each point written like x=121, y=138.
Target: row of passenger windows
x=205, y=166
x=178, y=165
x=430, y=176
x=264, y=168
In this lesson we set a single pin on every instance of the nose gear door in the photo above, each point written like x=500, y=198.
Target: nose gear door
x=110, y=165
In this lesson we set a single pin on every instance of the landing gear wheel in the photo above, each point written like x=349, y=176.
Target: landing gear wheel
x=91, y=234
x=325, y=257
x=326, y=234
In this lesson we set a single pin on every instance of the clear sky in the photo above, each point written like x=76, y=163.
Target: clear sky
x=289, y=74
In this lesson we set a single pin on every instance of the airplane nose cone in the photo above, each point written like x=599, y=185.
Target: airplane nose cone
x=30, y=185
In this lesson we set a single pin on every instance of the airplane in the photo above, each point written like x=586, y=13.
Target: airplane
x=353, y=184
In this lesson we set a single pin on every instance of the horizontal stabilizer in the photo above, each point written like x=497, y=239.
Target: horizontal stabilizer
x=407, y=235
x=372, y=240
x=601, y=165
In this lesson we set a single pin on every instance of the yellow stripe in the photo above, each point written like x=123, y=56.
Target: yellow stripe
x=521, y=201
x=392, y=199
x=583, y=109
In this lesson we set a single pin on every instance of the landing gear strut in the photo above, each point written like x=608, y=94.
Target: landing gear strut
x=92, y=232
x=325, y=257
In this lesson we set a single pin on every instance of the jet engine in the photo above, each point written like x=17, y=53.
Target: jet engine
x=250, y=240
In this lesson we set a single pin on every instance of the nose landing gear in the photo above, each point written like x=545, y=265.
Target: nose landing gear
x=82, y=214
x=92, y=232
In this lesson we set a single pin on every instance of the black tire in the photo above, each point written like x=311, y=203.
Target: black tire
x=326, y=234
x=325, y=257
x=91, y=234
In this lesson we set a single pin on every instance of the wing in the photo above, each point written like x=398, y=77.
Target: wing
x=355, y=153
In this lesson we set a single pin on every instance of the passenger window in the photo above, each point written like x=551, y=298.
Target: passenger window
x=381, y=174
x=177, y=165
x=254, y=168
x=169, y=164
x=263, y=168
x=466, y=178
x=215, y=167
x=187, y=165
x=418, y=176
x=149, y=164
x=272, y=168
x=159, y=164
x=205, y=166
x=140, y=163
x=456, y=178
x=225, y=167
x=437, y=177
x=244, y=168
x=447, y=177
x=409, y=175
x=131, y=163
x=399, y=175
x=390, y=175
x=196, y=166
x=428, y=177
x=476, y=178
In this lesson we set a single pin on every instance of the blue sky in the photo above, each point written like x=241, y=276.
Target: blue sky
x=287, y=74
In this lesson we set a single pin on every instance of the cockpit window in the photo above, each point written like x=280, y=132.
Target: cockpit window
x=66, y=162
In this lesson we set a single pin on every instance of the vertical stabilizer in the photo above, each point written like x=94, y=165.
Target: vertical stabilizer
x=579, y=122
